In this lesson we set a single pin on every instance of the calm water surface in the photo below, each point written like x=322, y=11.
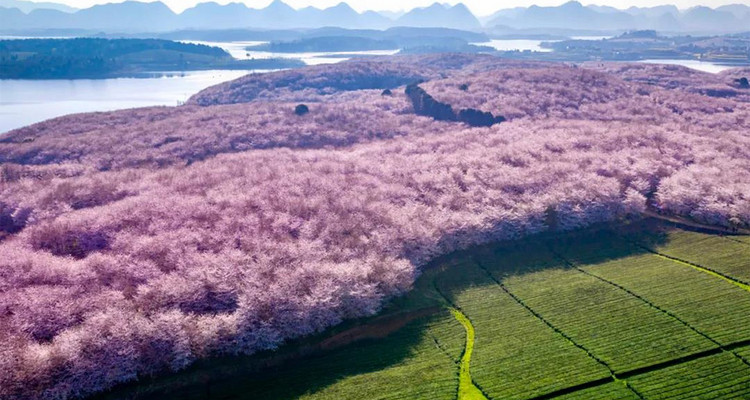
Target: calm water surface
x=238, y=51
x=24, y=102
x=516, y=44
x=694, y=64
x=529, y=44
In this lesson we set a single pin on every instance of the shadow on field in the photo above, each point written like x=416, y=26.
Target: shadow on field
x=551, y=250
x=250, y=377
x=303, y=368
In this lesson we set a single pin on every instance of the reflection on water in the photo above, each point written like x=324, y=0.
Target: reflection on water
x=516, y=44
x=694, y=64
x=24, y=102
x=529, y=44
x=590, y=37
x=238, y=51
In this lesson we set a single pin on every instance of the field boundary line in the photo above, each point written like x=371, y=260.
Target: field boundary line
x=730, y=238
x=650, y=304
x=613, y=376
x=576, y=388
x=737, y=282
x=640, y=371
x=442, y=349
x=681, y=360
x=709, y=271
x=671, y=363
x=738, y=345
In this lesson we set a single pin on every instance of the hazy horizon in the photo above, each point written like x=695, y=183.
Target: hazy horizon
x=478, y=7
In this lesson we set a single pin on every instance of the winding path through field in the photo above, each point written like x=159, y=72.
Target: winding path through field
x=467, y=390
x=692, y=224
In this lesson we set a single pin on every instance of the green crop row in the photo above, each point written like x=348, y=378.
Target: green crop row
x=615, y=326
x=610, y=391
x=407, y=364
x=727, y=257
x=744, y=353
x=516, y=356
x=722, y=376
x=711, y=305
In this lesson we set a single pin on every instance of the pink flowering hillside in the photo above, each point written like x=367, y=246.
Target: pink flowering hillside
x=136, y=242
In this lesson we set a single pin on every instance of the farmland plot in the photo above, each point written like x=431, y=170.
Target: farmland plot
x=616, y=327
x=407, y=364
x=716, y=253
x=744, y=353
x=610, y=391
x=516, y=356
x=722, y=376
x=710, y=305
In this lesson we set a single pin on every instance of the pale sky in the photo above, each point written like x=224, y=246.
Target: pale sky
x=479, y=7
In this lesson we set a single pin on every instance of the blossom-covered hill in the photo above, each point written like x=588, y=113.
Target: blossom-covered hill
x=135, y=242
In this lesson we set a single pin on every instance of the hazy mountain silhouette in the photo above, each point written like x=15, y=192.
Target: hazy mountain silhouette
x=653, y=12
x=392, y=15
x=9, y=17
x=278, y=15
x=130, y=15
x=573, y=15
x=439, y=15
x=740, y=11
x=210, y=15
x=28, y=6
x=707, y=19
x=139, y=17
x=341, y=15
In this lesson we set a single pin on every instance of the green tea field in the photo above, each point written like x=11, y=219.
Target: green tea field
x=640, y=312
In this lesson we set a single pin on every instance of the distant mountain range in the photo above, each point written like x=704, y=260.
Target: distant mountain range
x=133, y=16
x=439, y=15
x=667, y=18
x=28, y=6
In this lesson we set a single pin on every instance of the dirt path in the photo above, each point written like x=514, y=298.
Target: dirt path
x=376, y=329
x=696, y=225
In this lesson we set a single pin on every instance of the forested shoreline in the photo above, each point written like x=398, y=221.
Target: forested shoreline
x=94, y=58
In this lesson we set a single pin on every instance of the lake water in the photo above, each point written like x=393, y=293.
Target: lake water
x=24, y=102
x=516, y=44
x=239, y=51
x=694, y=64
x=529, y=44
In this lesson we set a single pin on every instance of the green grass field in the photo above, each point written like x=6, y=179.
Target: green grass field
x=726, y=256
x=721, y=376
x=640, y=312
x=526, y=344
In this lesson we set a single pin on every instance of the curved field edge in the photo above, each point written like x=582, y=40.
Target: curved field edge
x=452, y=336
